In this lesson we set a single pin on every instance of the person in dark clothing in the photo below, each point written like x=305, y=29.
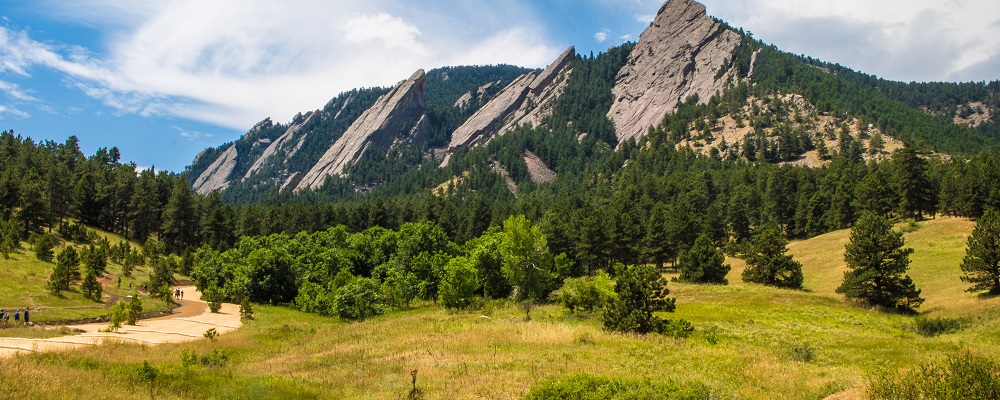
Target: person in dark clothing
x=26, y=315
x=17, y=316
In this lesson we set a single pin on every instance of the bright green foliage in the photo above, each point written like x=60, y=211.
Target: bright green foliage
x=359, y=300
x=162, y=276
x=704, y=263
x=769, y=264
x=148, y=373
x=65, y=271
x=587, y=293
x=486, y=257
x=526, y=259
x=459, y=283
x=267, y=276
x=958, y=377
x=877, y=262
x=588, y=387
x=400, y=287
x=641, y=292
x=127, y=312
x=982, y=255
x=214, y=297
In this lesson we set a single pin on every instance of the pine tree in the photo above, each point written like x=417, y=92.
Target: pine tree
x=704, y=263
x=911, y=180
x=180, y=219
x=64, y=271
x=641, y=292
x=982, y=255
x=877, y=262
x=90, y=287
x=769, y=264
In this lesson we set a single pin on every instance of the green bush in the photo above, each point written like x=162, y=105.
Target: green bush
x=213, y=296
x=459, y=283
x=587, y=387
x=587, y=293
x=936, y=326
x=960, y=376
x=359, y=300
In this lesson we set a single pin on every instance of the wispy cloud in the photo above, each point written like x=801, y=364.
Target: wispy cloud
x=644, y=18
x=230, y=64
x=15, y=91
x=191, y=134
x=13, y=112
x=601, y=36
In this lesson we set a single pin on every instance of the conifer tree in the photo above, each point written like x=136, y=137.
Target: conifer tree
x=64, y=271
x=704, y=263
x=982, y=255
x=878, y=261
x=641, y=291
x=769, y=264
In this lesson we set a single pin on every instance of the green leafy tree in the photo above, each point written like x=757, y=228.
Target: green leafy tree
x=641, y=292
x=768, y=262
x=982, y=255
x=877, y=262
x=400, y=287
x=586, y=293
x=704, y=263
x=359, y=300
x=459, y=283
x=65, y=271
x=526, y=258
x=43, y=247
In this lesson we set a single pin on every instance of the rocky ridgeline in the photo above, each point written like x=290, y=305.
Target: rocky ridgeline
x=524, y=101
x=679, y=55
x=379, y=125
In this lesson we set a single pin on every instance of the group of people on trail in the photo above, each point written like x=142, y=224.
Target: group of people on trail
x=5, y=316
x=178, y=293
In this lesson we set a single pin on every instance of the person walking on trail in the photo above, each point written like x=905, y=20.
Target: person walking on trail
x=17, y=316
x=3, y=317
x=182, y=295
x=119, y=282
x=26, y=315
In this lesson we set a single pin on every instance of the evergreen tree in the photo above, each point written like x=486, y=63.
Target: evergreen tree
x=704, y=263
x=769, y=264
x=877, y=263
x=641, y=292
x=913, y=184
x=180, y=219
x=982, y=255
x=90, y=287
x=65, y=270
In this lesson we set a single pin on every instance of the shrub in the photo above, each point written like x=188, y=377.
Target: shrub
x=802, y=353
x=936, y=326
x=213, y=296
x=960, y=376
x=359, y=300
x=587, y=293
x=246, y=309
x=211, y=334
x=641, y=291
x=586, y=387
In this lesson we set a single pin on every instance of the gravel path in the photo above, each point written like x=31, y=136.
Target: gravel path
x=188, y=322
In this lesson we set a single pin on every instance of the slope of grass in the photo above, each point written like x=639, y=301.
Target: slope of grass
x=750, y=341
x=24, y=281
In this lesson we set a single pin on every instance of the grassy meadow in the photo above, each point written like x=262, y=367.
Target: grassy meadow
x=24, y=283
x=750, y=342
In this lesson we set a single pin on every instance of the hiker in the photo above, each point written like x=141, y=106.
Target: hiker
x=182, y=295
x=177, y=293
x=26, y=315
x=130, y=286
x=17, y=316
x=3, y=317
x=119, y=282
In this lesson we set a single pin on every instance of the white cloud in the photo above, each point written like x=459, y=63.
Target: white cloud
x=15, y=91
x=625, y=37
x=645, y=18
x=600, y=37
x=230, y=64
x=904, y=40
x=12, y=111
x=190, y=134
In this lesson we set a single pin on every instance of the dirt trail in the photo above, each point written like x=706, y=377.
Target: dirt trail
x=188, y=322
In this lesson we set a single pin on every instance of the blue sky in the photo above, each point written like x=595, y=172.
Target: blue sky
x=163, y=80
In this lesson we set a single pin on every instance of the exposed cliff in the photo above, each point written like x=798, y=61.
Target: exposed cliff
x=400, y=110
x=216, y=176
x=679, y=55
x=526, y=100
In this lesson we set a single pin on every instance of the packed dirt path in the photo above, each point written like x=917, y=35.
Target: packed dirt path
x=188, y=322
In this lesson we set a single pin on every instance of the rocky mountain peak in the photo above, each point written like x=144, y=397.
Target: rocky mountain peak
x=680, y=54
x=397, y=112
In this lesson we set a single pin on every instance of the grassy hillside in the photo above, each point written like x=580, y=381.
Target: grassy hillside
x=750, y=341
x=24, y=281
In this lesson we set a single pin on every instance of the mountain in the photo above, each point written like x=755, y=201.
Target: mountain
x=690, y=78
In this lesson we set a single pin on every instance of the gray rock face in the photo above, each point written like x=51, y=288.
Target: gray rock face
x=282, y=143
x=677, y=56
x=216, y=177
x=527, y=100
x=400, y=110
x=539, y=172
